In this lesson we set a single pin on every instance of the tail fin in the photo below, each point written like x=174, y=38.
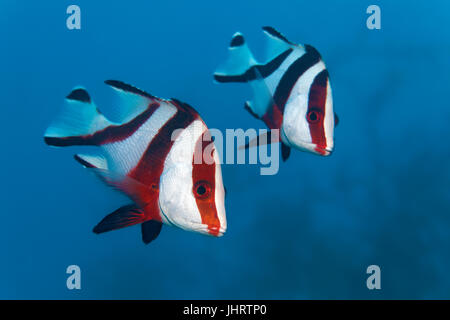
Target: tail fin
x=239, y=63
x=77, y=123
x=242, y=67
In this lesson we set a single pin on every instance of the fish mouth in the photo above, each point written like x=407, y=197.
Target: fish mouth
x=308, y=146
x=324, y=151
x=213, y=231
x=210, y=231
x=313, y=148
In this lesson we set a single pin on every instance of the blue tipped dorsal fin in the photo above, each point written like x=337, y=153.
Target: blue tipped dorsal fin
x=272, y=32
x=132, y=101
x=240, y=60
x=285, y=151
x=276, y=43
x=78, y=119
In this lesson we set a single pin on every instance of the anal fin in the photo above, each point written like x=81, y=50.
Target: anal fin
x=150, y=230
x=285, y=151
x=91, y=161
x=248, y=107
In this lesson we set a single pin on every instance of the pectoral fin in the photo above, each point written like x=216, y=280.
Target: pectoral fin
x=123, y=217
x=263, y=139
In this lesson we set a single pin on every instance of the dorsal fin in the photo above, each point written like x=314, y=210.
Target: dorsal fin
x=128, y=88
x=185, y=107
x=132, y=101
x=276, y=34
x=276, y=43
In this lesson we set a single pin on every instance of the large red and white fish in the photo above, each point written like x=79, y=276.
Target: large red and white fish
x=291, y=88
x=140, y=158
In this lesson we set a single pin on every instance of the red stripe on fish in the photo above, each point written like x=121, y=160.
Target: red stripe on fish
x=273, y=117
x=315, y=114
x=204, y=184
x=151, y=165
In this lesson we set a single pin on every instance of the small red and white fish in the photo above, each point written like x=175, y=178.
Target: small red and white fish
x=140, y=158
x=291, y=88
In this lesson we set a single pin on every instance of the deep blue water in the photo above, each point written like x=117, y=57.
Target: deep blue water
x=310, y=231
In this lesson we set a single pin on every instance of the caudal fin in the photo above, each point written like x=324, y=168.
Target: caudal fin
x=242, y=67
x=78, y=122
x=239, y=62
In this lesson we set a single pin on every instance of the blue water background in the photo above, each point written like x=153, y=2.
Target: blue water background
x=308, y=232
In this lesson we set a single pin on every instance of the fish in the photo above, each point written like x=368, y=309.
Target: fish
x=291, y=92
x=154, y=153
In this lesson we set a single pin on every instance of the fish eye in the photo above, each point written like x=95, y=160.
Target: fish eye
x=313, y=116
x=202, y=189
